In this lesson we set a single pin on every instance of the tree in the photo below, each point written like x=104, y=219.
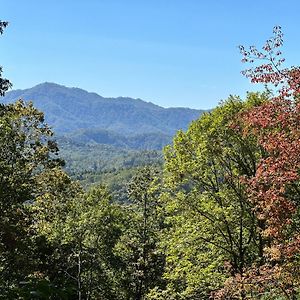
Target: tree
x=5, y=84
x=213, y=231
x=274, y=189
x=27, y=153
x=84, y=229
x=138, y=246
x=55, y=240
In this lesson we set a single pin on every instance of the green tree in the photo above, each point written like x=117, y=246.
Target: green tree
x=27, y=153
x=84, y=229
x=5, y=84
x=138, y=246
x=212, y=230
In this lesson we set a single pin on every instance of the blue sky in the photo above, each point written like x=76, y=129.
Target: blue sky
x=169, y=52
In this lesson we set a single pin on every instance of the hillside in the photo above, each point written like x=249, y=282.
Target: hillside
x=71, y=109
x=142, y=141
x=99, y=137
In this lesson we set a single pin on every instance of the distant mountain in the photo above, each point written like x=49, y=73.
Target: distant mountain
x=90, y=118
x=69, y=109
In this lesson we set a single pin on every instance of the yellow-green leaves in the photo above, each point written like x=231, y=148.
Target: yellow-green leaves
x=211, y=231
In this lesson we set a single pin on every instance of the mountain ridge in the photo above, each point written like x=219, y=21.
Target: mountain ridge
x=74, y=111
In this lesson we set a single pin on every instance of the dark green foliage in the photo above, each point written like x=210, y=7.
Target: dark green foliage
x=82, y=239
x=116, y=181
x=138, y=247
x=143, y=141
x=26, y=156
x=91, y=164
x=5, y=84
x=3, y=25
x=97, y=158
x=44, y=290
x=103, y=157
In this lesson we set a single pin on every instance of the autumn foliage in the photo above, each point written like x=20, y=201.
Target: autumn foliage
x=274, y=188
x=274, y=191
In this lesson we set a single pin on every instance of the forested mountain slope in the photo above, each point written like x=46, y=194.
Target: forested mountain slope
x=70, y=109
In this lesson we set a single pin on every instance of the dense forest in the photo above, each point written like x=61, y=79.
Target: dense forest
x=217, y=217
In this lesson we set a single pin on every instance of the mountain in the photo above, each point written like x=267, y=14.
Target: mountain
x=142, y=141
x=100, y=138
x=70, y=109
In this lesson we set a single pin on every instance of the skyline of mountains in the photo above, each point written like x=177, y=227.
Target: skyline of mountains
x=87, y=117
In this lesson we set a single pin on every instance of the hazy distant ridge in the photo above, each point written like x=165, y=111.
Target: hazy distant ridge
x=82, y=115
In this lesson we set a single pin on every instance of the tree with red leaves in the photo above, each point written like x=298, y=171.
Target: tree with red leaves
x=274, y=191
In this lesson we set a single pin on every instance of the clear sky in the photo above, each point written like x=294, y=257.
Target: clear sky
x=169, y=52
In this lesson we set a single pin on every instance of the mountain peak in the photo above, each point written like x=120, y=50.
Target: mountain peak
x=69, y=109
